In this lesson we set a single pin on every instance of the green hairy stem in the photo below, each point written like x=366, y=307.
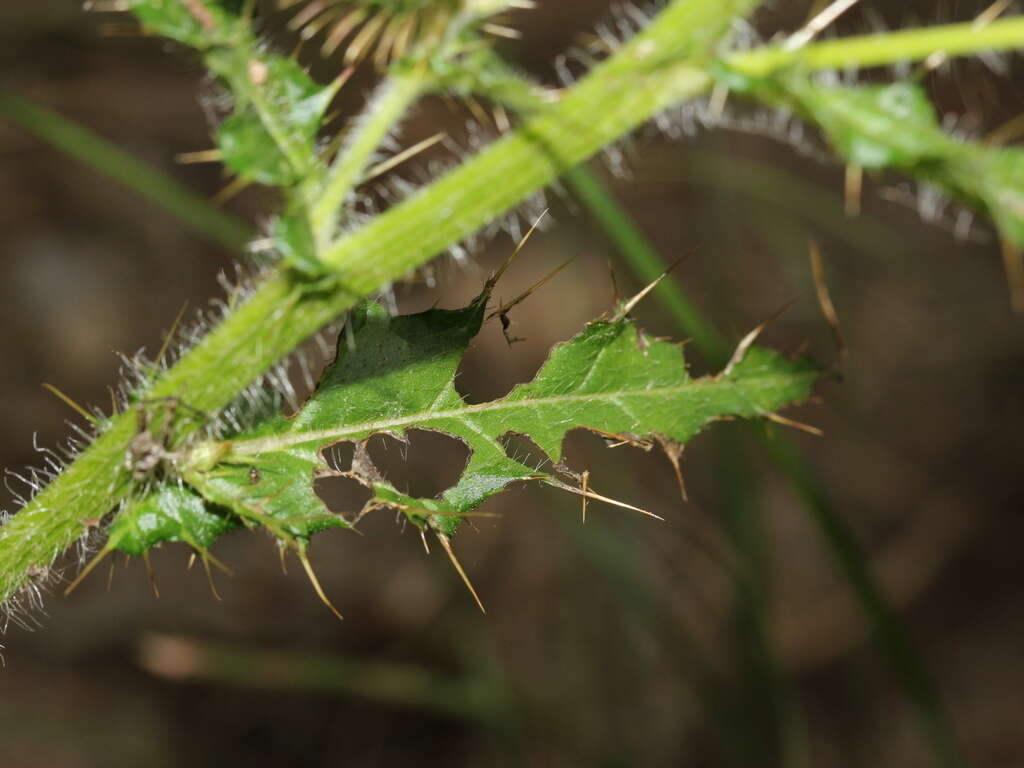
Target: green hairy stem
x=669, y=61
x=662, y=65
x=391, y=102
x=883, y=49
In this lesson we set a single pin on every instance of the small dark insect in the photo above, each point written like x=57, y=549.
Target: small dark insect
x=503, y=309
x=254, y=476
x=506, y=323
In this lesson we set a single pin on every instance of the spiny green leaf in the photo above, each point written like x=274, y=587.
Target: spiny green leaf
x=295, y=242
x=198, y=23
x=1002, y=182
x=399, y=374
x=895, y=126
x=271, y=137
x=877, y=126
x=273, y=491
x=169, y=513
x=249, y=151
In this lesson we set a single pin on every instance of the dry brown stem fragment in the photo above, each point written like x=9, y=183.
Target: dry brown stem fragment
x=825, y=299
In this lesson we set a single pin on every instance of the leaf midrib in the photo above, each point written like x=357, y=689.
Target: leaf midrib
x=282, y=442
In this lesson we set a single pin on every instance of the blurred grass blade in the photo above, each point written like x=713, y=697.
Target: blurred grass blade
x=612, y=561
x=764, y=705
x=646, y=264
x=188, y=660
x=889, y=634
x=103, y=157
x=750, y=178
x=767, y=701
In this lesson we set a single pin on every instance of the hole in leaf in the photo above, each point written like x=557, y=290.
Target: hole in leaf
x=521, y=448
x=342, y=494
x=426, y=466
x=339, y=455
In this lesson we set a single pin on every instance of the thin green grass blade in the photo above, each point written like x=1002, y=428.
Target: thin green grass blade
x=109, y=161
x=465, y=697
x=645, y=262
x=756, y=708
x=903, y=660
x=647, y=265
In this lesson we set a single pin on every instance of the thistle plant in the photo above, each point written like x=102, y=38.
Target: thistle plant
x=197, y=445
x=387, y=28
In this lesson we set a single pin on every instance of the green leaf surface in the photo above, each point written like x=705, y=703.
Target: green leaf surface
x=251, y=152
x=877, y=126
x=895, y=126
x=294, y=238
x=169, y=513
x=1002, y=183
x=393, y=374
x=198, y=23
x=273, y=491
x=271, y=136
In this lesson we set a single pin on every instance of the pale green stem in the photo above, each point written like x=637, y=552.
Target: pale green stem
x=280, y=313
x=646, y=76
x=468, y=201
x=884, y=48
x=382, y=114
x=257, y=334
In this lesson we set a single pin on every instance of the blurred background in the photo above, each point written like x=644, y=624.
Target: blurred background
x=734, y=633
